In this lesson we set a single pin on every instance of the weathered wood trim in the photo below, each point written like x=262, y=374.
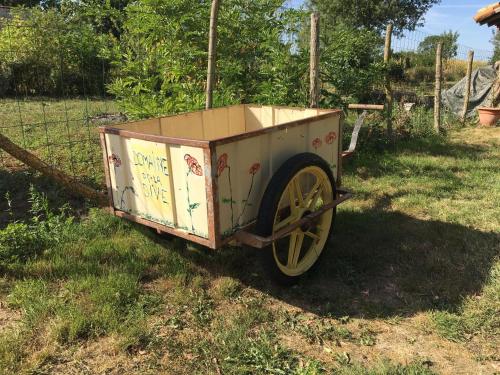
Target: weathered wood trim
x=155, y=138
x=271, y=129
x=162, y=228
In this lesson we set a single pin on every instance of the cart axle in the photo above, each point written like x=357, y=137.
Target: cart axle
x=259, y=242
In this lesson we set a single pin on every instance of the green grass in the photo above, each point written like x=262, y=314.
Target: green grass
x=61, y=132
x=409, y=284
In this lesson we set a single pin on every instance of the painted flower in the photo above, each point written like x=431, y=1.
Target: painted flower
x=254, y=168
x=193, y=165
x=221, y=164
x=330, y=137
x=316, y=143
x=115, y=160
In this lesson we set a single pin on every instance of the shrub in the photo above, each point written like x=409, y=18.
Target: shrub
x=51, y=53
x=162, y=56
x=23, y=241
x=349, y=65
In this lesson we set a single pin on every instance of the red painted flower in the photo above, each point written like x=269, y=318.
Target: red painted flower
x=115, y=160
x=316, y=143
x=221, y=164
x=330, y=137
x=193, y=165
x=254, y=168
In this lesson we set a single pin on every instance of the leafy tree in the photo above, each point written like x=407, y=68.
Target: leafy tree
x=162, y=56
x=45, y=4
x=450, y=46
x=373, y=14
x=50, y=54
x=350, y=65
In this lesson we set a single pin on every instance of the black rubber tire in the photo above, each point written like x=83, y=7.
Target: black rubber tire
x=269, y=205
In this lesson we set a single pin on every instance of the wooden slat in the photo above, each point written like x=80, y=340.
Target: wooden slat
x=375, y=107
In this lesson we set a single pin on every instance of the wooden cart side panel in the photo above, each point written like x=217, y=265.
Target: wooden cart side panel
x=187, y=125
x=140, y=178
x=190, y=189
x=246, y=166
x=159, y=182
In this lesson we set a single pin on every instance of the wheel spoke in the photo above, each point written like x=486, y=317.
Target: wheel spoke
x=298, y=191
x=312, y=235
x=312, y=192
x=291, y=194
x=314, y=199
x=296, y=239
x=284, y=222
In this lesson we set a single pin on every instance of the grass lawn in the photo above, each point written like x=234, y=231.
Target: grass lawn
x=63, y=133
x=410, y=283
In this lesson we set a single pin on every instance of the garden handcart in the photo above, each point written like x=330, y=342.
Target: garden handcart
x=263, y=176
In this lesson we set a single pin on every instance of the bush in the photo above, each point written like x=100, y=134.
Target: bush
x=350, y=65
x=20, y=242
x=51, y=53
x=163, y=53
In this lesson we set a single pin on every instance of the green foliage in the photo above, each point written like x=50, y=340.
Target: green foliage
x=23, y=241
x=51, y=53
x=372, y=14
x=163, y=52
x=427, y=48
x=350, y=65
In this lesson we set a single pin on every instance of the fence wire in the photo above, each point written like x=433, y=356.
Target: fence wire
x=53, y=92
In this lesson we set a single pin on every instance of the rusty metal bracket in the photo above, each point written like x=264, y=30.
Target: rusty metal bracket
x=259, y=242
x=359, y=122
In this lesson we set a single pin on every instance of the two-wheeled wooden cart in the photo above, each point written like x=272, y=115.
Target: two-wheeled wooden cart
x=263, y=176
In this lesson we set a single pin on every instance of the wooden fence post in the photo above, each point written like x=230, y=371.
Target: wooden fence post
x=387, y=85
x=470, y=59
x=74, y=187
x=212, y=51
x=314, y=62
x=437, y=92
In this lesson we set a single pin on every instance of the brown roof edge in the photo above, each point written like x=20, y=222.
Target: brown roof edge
x=484, y=13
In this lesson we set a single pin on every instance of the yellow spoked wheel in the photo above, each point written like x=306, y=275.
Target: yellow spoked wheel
x=301, y=186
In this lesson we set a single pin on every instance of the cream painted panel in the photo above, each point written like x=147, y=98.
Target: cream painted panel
x=151, y=126
x=270, y=151
x=323, y=140
x=266, y=116
x=140, y=178
x=188, y=125
x=242, y=176
x=252, y=118
x=236, y=119
x=216, y=123
x=188, y=174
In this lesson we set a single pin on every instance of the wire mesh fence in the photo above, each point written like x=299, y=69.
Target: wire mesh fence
x=54, y=86
x=413, y=74
x=53, y=93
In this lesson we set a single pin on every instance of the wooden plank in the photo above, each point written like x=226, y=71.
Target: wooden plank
x=375, y=107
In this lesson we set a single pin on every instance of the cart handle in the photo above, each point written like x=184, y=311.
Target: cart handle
x=359, y=123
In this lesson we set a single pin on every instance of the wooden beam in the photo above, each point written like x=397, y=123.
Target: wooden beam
x=74, y=187
x=437, y=91
x=314, y=62
x=374, y=107
x=470, y=60
x=212, y=53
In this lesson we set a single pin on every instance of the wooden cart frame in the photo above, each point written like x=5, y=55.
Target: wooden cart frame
x=215, y=238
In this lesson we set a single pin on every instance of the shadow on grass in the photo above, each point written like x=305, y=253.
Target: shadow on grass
x=378, y=264
x=17, y=185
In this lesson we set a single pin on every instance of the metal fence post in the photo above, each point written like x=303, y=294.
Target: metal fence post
x=387, y=85
x=470, y=59
x=314, y=62
x=437, y=92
